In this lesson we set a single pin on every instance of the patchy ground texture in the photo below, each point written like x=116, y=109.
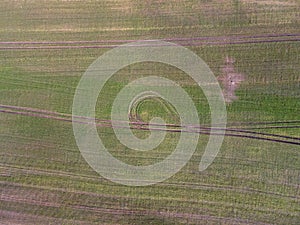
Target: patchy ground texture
x=45, y=47
x=230, y=80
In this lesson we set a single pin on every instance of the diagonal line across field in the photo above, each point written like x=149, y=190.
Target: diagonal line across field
x=198, y=41
x=212, y=130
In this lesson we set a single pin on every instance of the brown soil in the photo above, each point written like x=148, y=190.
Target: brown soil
x=230, y=79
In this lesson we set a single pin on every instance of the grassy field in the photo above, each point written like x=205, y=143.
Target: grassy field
x=46, y=46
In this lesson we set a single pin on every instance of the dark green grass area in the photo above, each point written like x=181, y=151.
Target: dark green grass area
x=44, y=178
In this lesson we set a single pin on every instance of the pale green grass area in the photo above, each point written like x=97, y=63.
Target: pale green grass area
x=42, y=172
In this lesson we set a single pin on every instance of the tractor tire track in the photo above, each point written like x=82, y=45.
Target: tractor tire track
x=69, y=175
x=219, y=40
x=232, y=132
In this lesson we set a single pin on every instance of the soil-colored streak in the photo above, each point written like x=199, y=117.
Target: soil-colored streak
x=145, y=126
x=230, y=79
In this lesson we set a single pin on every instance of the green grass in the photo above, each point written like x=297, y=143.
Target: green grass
x=250, y=180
